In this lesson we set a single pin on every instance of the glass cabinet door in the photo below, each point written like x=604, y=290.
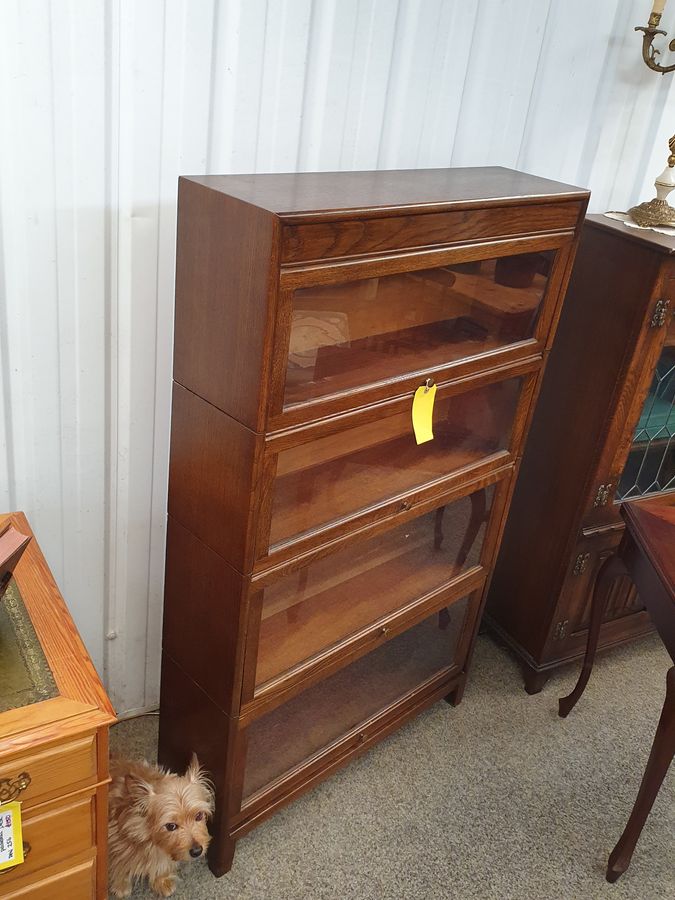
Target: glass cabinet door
x=329, y=601
x=347, y=335
x=650, y=467
x=321, y=482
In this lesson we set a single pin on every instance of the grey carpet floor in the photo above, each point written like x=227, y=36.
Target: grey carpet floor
x=497, y=798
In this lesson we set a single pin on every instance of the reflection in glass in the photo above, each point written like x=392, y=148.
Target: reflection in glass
x=366, y=331
x=284, y=737
x=325, y=480
x=333, y=598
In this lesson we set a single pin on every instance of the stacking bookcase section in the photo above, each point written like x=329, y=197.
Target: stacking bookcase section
x=368, y=331
x=321, y=482
x=325, y=574
x=314, y=618
x=345, y=708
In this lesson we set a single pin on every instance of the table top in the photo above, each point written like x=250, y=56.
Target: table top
x=652, y=524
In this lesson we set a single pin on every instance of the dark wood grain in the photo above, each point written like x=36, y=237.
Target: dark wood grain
x=298, y=499
x=211, y=475
x=225, y=296
x=595, y=383
x=205, y=615
x=326, y=240
x=316, y=196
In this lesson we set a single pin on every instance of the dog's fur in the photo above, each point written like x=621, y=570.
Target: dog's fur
x=144, y=799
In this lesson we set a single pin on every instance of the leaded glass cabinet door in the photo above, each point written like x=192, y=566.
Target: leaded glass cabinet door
x=650, y=466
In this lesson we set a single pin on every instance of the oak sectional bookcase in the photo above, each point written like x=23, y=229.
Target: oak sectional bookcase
x=324, y=573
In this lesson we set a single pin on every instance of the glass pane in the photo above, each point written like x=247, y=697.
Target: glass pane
x=331, y=478
x=367, y=331
x=650, y=467
x=283, y=738
x=336, y=597
x=25, y=676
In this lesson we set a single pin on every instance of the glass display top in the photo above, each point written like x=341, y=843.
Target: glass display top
x=25, y=676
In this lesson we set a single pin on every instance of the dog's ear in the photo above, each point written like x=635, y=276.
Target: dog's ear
x=138, y=788
x=196, y=775
x=194, y=770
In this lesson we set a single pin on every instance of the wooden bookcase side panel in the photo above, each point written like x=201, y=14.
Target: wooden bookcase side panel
x=212, y=472
x=226, y=285
x=190, y=722
x=567, y=427
x=205, y=616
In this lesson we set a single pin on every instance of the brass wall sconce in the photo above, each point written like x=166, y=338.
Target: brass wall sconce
x=649, y=51
x=657, y=211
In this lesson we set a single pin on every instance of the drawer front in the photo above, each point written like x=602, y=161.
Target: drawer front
x=62, y=831
x=370, y=470
x=52, y=772
x=76, y=883
x=361, y=594
x=348, y=337
x=328, y=240
x=341, y=706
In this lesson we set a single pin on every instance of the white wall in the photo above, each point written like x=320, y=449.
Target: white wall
x=103, y=105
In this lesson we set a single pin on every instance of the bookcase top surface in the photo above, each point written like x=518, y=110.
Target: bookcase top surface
x=331, y=194
x=655, y=240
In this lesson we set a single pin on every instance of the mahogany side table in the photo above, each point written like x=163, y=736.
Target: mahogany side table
x=647, y=556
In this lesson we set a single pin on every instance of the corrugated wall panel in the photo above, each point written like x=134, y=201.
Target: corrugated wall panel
x=104, y=104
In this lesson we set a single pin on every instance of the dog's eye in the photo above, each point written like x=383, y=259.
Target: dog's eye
x=171, y=826
x=199, y=817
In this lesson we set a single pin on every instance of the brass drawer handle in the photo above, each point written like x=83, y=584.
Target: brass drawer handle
x=405, y=505
x=11, y=788
x=384, y=630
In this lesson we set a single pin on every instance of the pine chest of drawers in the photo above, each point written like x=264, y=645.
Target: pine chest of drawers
x=54, y=720
x=324, y=573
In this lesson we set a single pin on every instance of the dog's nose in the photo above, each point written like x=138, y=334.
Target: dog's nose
x=196, y=850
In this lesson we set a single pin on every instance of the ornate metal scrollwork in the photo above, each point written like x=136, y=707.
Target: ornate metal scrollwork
x=10, y=788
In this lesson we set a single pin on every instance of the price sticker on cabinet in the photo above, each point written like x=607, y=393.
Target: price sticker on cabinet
x=11, y=842
x=423, y=412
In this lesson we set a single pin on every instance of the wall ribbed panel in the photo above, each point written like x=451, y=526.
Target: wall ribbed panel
x=103, y=105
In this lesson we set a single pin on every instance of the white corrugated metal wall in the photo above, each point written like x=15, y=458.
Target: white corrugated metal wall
x=104, y=104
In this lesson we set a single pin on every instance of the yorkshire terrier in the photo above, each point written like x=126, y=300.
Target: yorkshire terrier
x=156, y=819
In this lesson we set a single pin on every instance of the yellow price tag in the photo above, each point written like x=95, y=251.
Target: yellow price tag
x=11, y=841
x=423, y=412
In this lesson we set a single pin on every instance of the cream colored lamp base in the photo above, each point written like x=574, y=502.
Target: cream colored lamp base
x=657, y=211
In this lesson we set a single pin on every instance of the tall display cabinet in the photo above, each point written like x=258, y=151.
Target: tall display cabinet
x=603, y=433
x=325, y=573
